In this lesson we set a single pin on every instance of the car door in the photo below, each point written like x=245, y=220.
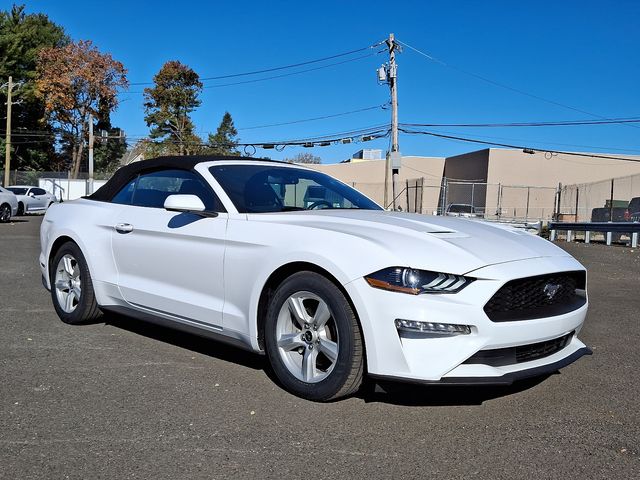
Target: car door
x=39, y=199
x=170, y=263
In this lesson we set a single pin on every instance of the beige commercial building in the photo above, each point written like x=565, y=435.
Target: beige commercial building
x=506, y=183
x=368, y=176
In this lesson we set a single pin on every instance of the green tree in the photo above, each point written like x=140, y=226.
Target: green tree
x=225, y=140
x=304, y=157
x=168, y=106
x=107, y=152
x=22, y=36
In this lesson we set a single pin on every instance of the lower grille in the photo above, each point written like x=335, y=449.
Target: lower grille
x=522, y=353
x=537, y=297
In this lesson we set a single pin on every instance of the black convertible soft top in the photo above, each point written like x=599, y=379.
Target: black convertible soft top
x=125, y=174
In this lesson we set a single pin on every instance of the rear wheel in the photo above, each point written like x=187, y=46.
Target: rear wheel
x=313, y=339
x=71, y=286
x=5, y=213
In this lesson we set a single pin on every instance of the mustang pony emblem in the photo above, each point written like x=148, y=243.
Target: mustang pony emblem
x=551, y=290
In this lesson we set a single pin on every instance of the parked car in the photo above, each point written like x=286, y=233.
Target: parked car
x=632, y=213
x=329, y=291
x=603, y=214
x=32, y=199
x=8, y=205
x=461, y=210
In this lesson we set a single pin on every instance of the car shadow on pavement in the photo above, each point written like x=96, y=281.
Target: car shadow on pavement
x=188, y=341
x=395, y=393
x=407, y=394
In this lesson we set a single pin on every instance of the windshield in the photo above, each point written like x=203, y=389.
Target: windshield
x=456, y=208
x=18, y=190
x=265, y=188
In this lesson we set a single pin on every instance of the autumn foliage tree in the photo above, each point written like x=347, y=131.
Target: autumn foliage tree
x=168, y=106
x=304, y=157
x=76, y=81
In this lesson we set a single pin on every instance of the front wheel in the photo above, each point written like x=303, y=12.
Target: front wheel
x=313, y=339
x=20, y=209
x=5, y=213
x=71, y=286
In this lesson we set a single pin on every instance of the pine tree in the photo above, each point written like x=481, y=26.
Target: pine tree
x=224, y=141
x=168, y=107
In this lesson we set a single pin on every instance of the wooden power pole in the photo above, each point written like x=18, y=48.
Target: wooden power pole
x=7, y=139
x=393, y=158
x=91, y=142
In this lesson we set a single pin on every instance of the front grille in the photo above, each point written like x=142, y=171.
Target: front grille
x=522, y=353
x=538, y=297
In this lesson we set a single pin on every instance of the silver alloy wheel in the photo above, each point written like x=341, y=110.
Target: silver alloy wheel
x=307, y=337
x=68, y=283
x=5, y=213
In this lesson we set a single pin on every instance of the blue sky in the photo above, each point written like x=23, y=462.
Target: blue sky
x=579, y=53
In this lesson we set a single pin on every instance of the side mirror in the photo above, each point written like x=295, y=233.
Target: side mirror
x=31, y=194
x=188, y=204
x=183, y=203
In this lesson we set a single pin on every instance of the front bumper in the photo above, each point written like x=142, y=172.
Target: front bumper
x=505, y=379
x=440, y=359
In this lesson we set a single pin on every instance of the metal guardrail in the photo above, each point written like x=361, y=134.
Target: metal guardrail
x=528, y=226
x=608, y=228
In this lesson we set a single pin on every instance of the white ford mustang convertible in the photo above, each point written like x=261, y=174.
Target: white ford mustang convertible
x=288, y=261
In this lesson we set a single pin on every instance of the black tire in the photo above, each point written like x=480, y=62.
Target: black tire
x=87, y=308
x=346, y=375
x=20, y=209
x=5, y=213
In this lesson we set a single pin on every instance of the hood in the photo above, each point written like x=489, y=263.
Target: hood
x=449, y=244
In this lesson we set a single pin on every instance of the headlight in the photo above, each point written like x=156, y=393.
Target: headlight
x=415, y=282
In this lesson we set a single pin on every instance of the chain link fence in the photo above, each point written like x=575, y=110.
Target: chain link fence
x=603, y=201
x=599, y=201
x=417, y=195
x=59, y=183
x=491, y=201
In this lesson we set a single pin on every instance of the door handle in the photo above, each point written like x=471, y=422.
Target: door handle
x=124, y=227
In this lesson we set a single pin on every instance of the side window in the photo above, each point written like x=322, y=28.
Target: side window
x=38, y=191
x=125, y=195
x=152, y=189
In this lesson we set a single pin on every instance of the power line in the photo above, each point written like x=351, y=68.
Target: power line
x=518, y=147
x=507, y=87
x=283, y=67
x=375, y=107
x=557, y=123
x=272, y=77
x=352, y=136
x=511, y=139
x=355, y=59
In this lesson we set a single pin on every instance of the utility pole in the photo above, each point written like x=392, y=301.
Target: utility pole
x=389, y=73
x=7, y=141
x=91, y=141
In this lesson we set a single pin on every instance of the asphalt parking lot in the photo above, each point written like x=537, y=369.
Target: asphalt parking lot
x=121, y=399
